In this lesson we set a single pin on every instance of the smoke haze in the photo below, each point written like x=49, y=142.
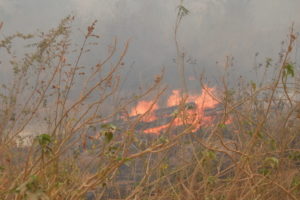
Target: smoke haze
x=213, y=30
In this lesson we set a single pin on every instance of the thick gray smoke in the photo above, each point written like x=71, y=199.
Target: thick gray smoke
x=213, y=30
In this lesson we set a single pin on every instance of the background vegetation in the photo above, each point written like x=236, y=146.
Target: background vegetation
x=83, y=154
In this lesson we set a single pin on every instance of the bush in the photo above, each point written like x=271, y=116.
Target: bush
x=249, y=151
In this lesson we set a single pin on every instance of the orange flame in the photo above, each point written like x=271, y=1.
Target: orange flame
x=143, y=107
x=174, y=99
x=192, y=116
x=204, y=101
x=156, y=130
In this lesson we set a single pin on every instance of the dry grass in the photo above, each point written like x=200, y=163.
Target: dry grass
x=81, y=154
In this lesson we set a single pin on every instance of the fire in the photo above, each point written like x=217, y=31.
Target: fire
x=203, y=101
x=174, y=99
x=194, y=115
x=143, y=107
x=156, y=130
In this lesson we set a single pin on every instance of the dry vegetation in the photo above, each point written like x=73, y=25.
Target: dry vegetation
x=82, y=154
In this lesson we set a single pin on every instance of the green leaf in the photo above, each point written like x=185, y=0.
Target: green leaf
x=295, y=156
x=32, y=190
x=222, y=126
x=164, y=166
x=272, y=162
x=108, y=136
x=127, y=162
x=273, y=144
x=211, y=180
x=44, y=139
x=182, y=11
x=119, y=158
x=260, y=135
x=163, y=139
x=268, y=62
x=295, y=181
x=253, y=85
x=250, y=133
x=264, y=171
x=289, y=70
x=108, y=126
x=108, y=131
x=210, y=155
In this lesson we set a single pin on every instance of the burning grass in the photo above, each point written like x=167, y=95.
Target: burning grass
x=221, y=144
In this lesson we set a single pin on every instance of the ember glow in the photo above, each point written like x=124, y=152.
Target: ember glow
x=193, y=115
x=157, y=130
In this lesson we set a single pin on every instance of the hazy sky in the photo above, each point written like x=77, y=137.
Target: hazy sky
x=213, y=30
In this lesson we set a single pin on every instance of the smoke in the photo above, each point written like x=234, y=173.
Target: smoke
x=214, y=30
